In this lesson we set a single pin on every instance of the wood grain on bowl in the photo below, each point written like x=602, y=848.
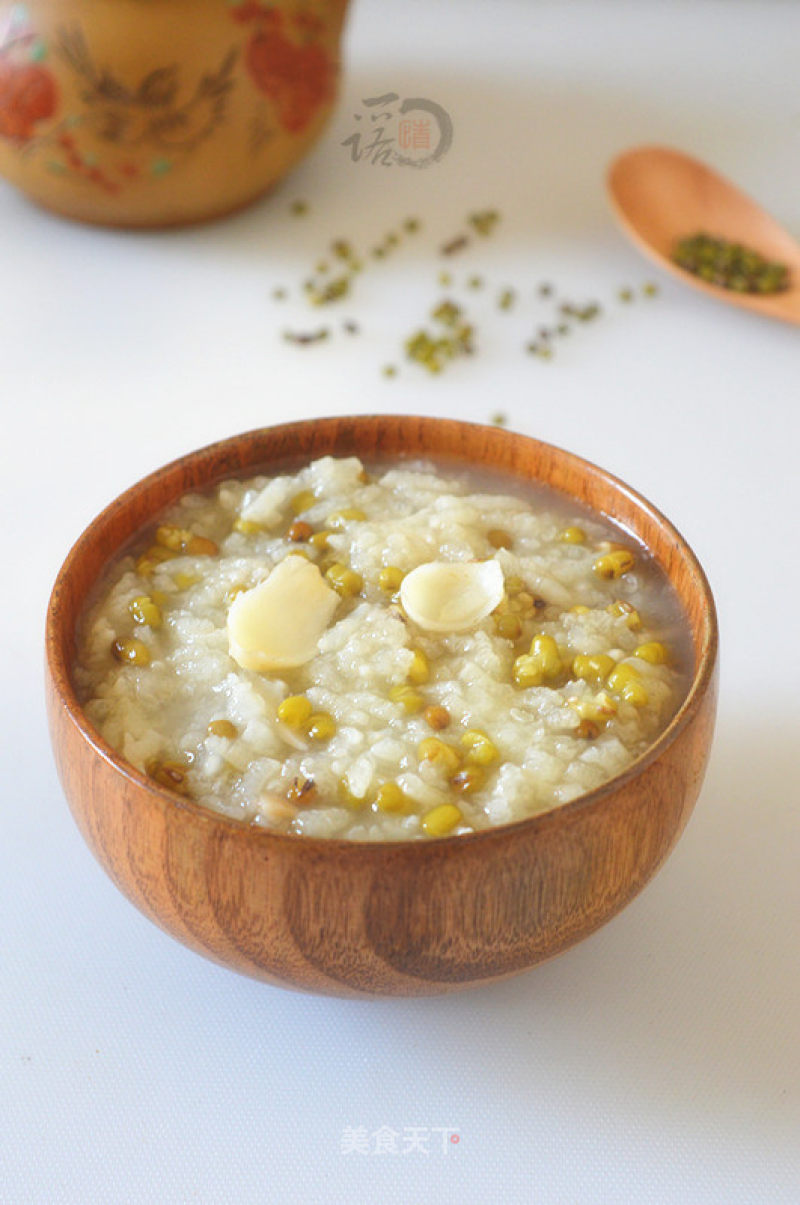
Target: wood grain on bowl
x=354, y=918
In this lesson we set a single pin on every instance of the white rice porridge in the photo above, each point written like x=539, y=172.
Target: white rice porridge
x=335, y=694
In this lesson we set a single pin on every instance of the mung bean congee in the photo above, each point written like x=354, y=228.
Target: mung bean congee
x=405, y=652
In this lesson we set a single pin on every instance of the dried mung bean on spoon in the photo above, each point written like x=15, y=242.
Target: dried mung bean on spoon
x=730, y=265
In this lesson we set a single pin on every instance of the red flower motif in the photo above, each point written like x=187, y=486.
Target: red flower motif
x=297, y=78
x=27, y=94
x=307, y=23
x=252, y=10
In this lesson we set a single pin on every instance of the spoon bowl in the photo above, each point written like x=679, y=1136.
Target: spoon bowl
x=659, y=195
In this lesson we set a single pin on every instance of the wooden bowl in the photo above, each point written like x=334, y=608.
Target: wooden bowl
x=360, y=919
x=157, y=114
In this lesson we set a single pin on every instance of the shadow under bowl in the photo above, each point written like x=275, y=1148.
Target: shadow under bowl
x=394, y=918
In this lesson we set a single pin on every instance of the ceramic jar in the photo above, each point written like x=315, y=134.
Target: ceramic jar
x=161, y=112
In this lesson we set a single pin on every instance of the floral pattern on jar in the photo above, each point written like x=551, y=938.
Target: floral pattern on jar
x=107, y=116
x=28, y=91
x=149, y=121
x=286, y=63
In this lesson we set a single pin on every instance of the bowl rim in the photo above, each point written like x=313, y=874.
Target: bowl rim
x=66, y=694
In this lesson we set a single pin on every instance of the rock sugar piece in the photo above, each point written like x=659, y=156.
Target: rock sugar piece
x=452, y=597
x=277, y=624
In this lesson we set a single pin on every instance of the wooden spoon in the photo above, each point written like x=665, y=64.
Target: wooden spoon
x=660, y=195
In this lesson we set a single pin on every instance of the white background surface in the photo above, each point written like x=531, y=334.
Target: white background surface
x=657, y=1062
